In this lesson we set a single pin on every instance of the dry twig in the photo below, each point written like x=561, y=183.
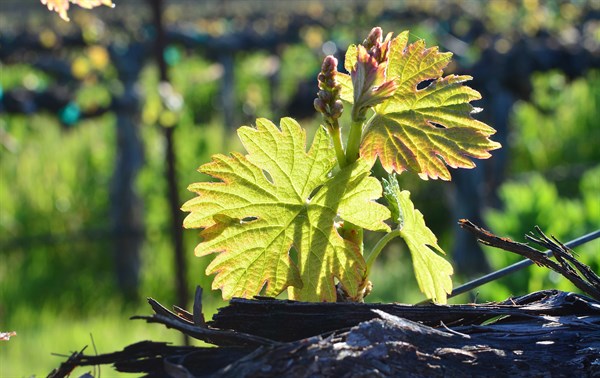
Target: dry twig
x=566, y=265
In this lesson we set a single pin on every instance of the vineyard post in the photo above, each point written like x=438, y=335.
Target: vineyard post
x=173, y=194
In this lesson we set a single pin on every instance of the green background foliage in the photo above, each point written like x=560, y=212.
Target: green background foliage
x=556, y=179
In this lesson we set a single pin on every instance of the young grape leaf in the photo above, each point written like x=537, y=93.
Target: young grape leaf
x=423, y=129
x=432, y=271
x=280, y=198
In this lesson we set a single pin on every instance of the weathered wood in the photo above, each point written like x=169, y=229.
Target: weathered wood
x=290, y=320
x=548, y=333
x=156, y=359
x=392, y=346
x=183, y=322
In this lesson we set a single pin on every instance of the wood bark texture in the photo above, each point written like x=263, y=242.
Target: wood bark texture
x=543, y=334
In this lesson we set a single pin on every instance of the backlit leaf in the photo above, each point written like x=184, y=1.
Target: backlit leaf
x=423, y=129
x=271, y=219
x=431, y=270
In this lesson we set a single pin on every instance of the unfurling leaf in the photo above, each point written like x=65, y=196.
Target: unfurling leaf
x=391, y=193
x=432, y=271
x=422, y=129
x=280, y=198
x=367, y=84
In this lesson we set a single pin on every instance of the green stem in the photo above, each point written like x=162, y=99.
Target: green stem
x=351, y=231
x=336, y=137
x=354, y=138
x=361, y=234
x=379, y=247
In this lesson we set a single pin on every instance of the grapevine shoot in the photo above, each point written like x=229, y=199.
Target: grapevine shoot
x=287, y=216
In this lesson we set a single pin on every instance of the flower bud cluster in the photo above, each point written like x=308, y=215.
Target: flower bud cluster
x=328, y=98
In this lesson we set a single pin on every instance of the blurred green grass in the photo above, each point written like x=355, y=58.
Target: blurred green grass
x=45, y=338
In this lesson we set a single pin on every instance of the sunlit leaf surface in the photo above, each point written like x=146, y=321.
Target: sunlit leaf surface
x=427, y=124
x=271, y=217
x=432, y=271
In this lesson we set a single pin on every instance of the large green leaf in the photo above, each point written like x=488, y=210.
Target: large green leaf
x=433, y=272
x=277, y=201
x=423, y=129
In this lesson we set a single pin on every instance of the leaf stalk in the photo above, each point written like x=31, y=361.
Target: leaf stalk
x=336, y=137
x=379, y=247
x=354, y=138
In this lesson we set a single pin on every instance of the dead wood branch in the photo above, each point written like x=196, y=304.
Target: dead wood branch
x=396, y=347
x=289, y=320
x=193, y=325
x=567, y=265
x=547, y=333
